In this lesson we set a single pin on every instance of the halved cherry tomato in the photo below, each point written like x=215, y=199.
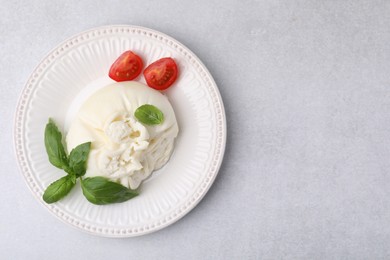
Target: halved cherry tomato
x=161, y=74
x=127, y=67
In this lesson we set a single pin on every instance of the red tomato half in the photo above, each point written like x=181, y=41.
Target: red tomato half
x=127, y=67
x=161, y=74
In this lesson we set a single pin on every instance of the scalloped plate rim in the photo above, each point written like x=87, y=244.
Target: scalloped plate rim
x=22, y=111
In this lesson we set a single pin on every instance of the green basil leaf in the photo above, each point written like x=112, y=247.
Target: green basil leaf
x=54, y=147
x=149, y=115
x=101, y=191
x=78, y=159
x=58, y=189
x=73, y=178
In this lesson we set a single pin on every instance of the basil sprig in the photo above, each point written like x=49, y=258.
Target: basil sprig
x=75, y=166
x=54, y=148
x=100, y=191
x=78, y=158
x=149, y=115
x=97, y=190
x=58, y=189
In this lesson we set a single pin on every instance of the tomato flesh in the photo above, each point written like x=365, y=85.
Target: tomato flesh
x=161, y=74
x=126, y=67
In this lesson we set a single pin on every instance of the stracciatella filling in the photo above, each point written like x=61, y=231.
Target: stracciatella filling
x=123, y=149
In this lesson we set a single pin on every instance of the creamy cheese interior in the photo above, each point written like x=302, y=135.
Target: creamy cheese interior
x=123, y=149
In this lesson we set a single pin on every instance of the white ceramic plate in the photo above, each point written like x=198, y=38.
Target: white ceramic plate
x=75, y=69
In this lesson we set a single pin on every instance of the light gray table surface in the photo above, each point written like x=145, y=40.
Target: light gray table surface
x=306, y=88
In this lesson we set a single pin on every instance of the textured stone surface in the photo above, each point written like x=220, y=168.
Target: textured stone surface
x=306, y=91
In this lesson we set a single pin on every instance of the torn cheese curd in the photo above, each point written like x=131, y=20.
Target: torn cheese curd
x=123, y=149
